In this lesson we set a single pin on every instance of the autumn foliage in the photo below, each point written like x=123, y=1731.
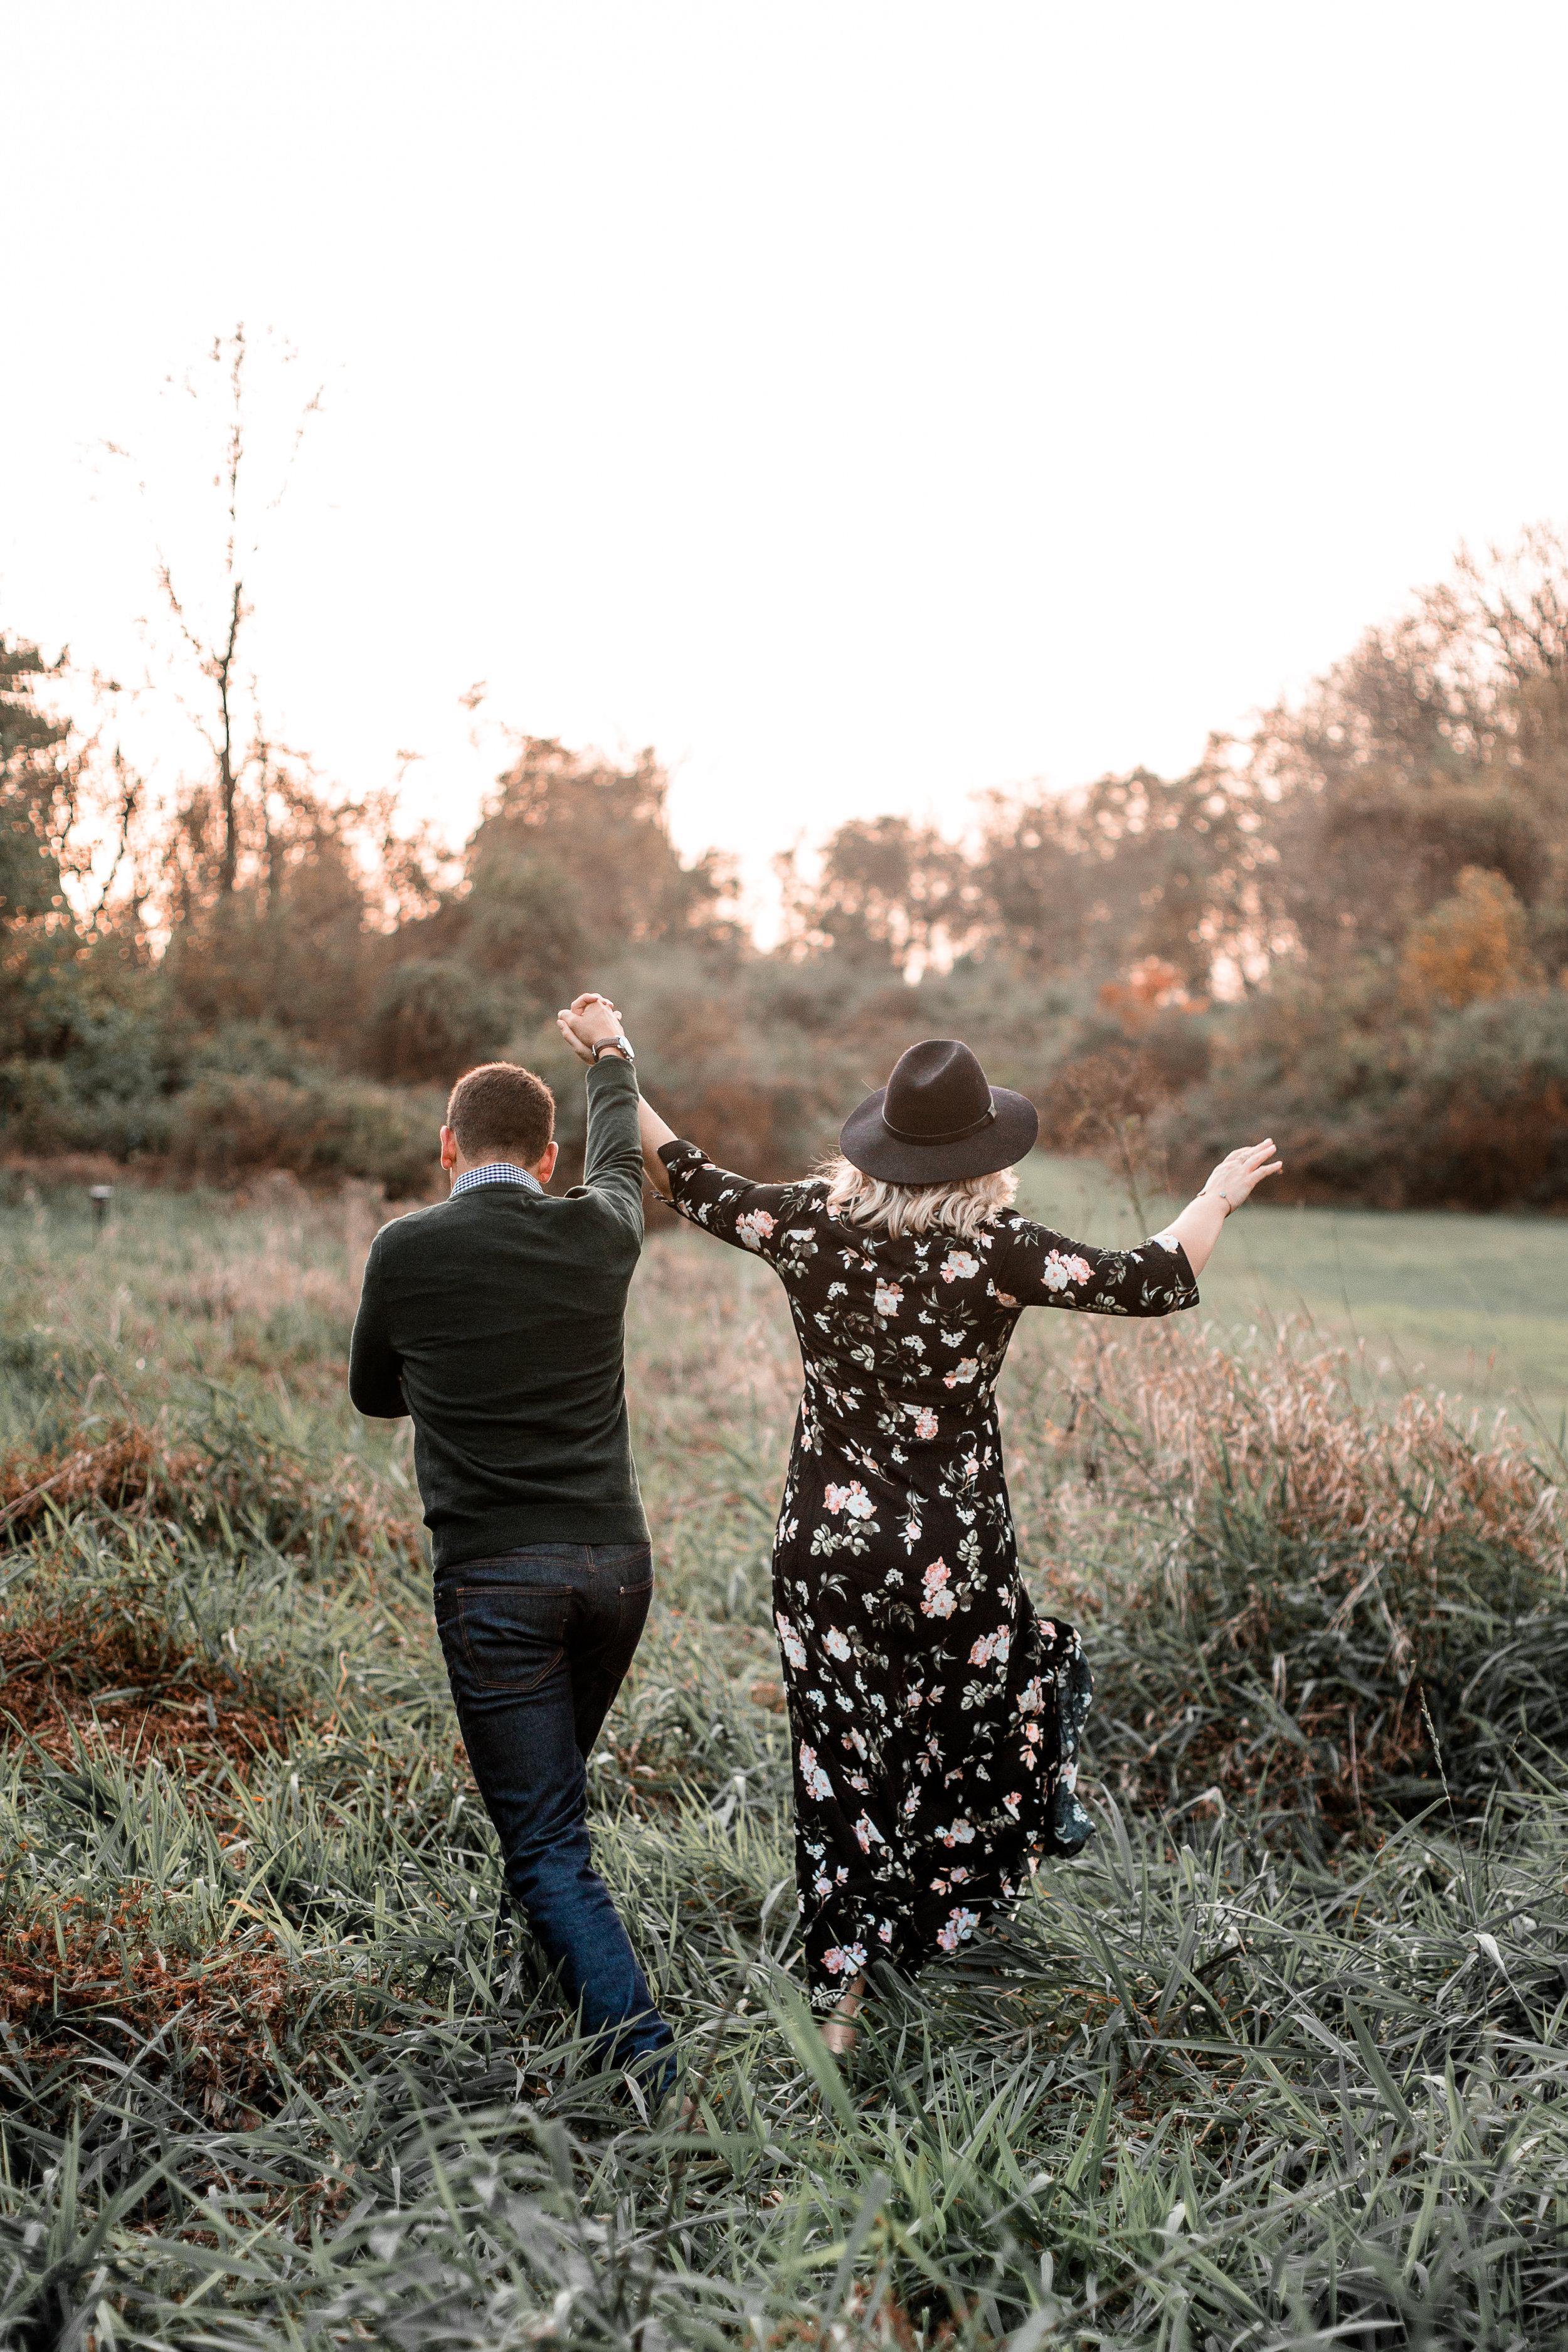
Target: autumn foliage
x=1347, y=927
x=1468, y=948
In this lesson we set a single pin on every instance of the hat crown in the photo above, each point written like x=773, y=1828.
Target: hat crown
x=938, y=1094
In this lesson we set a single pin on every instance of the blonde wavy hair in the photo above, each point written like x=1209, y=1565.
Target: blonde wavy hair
x=960, y=1207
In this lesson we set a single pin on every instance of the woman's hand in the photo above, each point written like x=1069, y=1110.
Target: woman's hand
x=588, y=1021
x=1197, y=1227
x=1239, y=1171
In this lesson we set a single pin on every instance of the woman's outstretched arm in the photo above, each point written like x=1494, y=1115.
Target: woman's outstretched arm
x=654, y=1133
x=1197, y=1227
x=1042, y=1269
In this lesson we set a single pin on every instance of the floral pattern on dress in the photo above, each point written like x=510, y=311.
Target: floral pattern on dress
x=935, y=1718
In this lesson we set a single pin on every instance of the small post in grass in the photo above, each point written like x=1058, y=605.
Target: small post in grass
x=101, y=1196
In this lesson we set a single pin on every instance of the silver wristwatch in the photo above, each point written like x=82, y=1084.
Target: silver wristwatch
x=623, y=1047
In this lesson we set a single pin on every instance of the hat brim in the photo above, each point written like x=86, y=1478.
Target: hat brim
x=1007, y=1137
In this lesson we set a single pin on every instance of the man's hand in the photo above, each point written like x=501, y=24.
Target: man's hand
x=586, y=1022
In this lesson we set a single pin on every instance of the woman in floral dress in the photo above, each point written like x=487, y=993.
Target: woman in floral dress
x=934, y=1719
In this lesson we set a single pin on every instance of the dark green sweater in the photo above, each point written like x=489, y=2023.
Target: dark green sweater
x=495, y=1319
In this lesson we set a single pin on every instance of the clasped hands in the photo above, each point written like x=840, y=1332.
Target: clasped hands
x=588, y=1021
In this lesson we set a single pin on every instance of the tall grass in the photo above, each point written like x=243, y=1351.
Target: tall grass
x=1305, y=1603
x=1279, y=2061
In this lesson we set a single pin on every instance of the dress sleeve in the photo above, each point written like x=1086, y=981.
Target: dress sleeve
x=757, y=1217
x=1045, y=1269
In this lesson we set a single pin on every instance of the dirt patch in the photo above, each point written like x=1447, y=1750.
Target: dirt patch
x=112, y=1976
x=110, y=1675
x=117, y=1472
x=245, y=1480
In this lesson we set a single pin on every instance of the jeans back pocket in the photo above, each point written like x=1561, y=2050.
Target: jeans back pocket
x=504, y=1637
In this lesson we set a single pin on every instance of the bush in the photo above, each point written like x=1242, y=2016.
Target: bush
x=1466, y=1110
x=761, y=1060
x=432, y=1022
x=1487, y=1123
x=1470, y=947
x=225, y=1127
x=48, y=1110
x=229, y=1125
x=1317, y=1589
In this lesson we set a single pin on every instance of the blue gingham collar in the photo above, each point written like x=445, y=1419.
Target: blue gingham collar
x=495, y=1171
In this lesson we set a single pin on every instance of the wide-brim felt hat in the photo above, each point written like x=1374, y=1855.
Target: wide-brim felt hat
x=938, y=1119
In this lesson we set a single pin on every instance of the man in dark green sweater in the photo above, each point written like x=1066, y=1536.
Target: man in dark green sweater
x=495, y=1319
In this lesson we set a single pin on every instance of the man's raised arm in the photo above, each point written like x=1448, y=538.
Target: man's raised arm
x=613, y=1163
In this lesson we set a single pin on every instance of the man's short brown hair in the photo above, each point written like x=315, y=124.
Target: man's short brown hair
x=499, y=1108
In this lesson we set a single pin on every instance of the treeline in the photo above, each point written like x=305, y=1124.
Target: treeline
x=1350, y=929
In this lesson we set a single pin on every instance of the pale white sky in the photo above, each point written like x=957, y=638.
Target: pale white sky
x=866, y=404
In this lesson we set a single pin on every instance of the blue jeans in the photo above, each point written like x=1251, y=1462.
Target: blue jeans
x=536, y=1644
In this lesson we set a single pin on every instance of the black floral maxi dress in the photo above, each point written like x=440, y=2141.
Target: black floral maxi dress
x=934, y=1719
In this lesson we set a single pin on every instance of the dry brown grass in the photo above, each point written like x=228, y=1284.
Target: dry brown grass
x=98, y=1671
x=1286, y=1425
x=140, y=1473
x=74, y=1971
x=1303, y=1590
x=302, y=1254
x=117, y=1472
x=109, y=1678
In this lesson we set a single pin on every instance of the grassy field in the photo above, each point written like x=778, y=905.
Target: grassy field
x=1281, y=2062
x=1474, y=1307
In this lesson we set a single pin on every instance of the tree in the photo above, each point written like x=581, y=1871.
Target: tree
x=1132, y=867
x=1440, y=742
x=59, y=966
x=292, y=945
x=1468, y=948
x=34, y=780
x=1510, y=615
x=221, y=821
x=431, y=1021
x=526, y=922
x=573, y=856
x=889, y=893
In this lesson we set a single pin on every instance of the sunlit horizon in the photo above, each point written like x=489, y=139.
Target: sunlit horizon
x=866, y=416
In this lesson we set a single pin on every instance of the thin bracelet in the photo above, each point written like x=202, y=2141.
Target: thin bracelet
x=1225, y=1196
